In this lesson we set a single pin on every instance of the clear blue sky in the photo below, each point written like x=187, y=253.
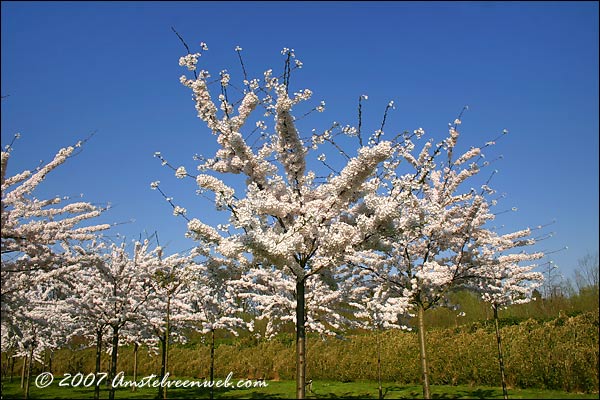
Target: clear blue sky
x=71, y=68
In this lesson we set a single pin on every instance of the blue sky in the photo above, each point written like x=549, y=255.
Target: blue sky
x=73, y=68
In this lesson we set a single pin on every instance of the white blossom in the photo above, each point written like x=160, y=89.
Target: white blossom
x=189, y=61
x=180, y=173
x=419, y=132
x=320, y=107
x=177, y=210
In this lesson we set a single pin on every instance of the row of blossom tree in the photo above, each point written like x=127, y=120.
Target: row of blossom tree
x=40, y=245
x=61, y=278
x=386, y=235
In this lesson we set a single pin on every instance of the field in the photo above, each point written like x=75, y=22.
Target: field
x=286, y=389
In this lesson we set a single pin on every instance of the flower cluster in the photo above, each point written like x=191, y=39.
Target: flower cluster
x=189, y=61
x=180, y=173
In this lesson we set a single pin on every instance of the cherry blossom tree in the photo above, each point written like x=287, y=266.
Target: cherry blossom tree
x=428, y=226
x=131, y=295
x=43, y=325
x=140, y=334
x=212, y=302
x=287, y=218
x=109, y=294
x=167, y=308
x=87, y=306
x=379, y=306
x=40, y=237
x=504, y=280
x=9, y=348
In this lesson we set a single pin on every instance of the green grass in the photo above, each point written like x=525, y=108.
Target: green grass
x=286, y=389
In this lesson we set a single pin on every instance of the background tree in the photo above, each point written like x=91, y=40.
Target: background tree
x=423, y=245
x=166, y=309
x=586, y=274
x=379, y=308
x=115, y=288
x=39, y=237
x=43, y=324
x=41, y=243
x=504, y=281
x=212, y=302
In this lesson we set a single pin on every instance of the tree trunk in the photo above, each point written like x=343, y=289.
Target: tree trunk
x=212, y=363
x=98, y=359
x=51, y=358
x=12, y=367
x=163, y=364
x=378, y=339
x=29, y=365
x=113, y=362
x=300, y=341
x=423, y=349
x=500, y=357
x=162, y=391
x=167, y=338
x=23, y=369
x=4, y=372
x=135, y=364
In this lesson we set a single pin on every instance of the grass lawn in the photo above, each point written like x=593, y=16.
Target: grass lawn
x=286, y=389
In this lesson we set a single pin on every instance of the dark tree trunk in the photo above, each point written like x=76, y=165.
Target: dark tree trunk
x=212, y=363
x=423, y=350
x=164, y=368
x=12, y=368
x=29, y=366
x=163, y=364
x=4, y=371
x=113, y=361
x=135, y=364
x=167, y=338
x=98, y=359
x=300, y=341
x=500, y=357
x=50, y=359
x=377, y=333
x=23, y=369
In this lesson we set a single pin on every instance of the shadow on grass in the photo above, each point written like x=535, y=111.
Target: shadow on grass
x=352, y=395
x=415, y=392
x=339, y=396
x=220, y=393
x=479, y=394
